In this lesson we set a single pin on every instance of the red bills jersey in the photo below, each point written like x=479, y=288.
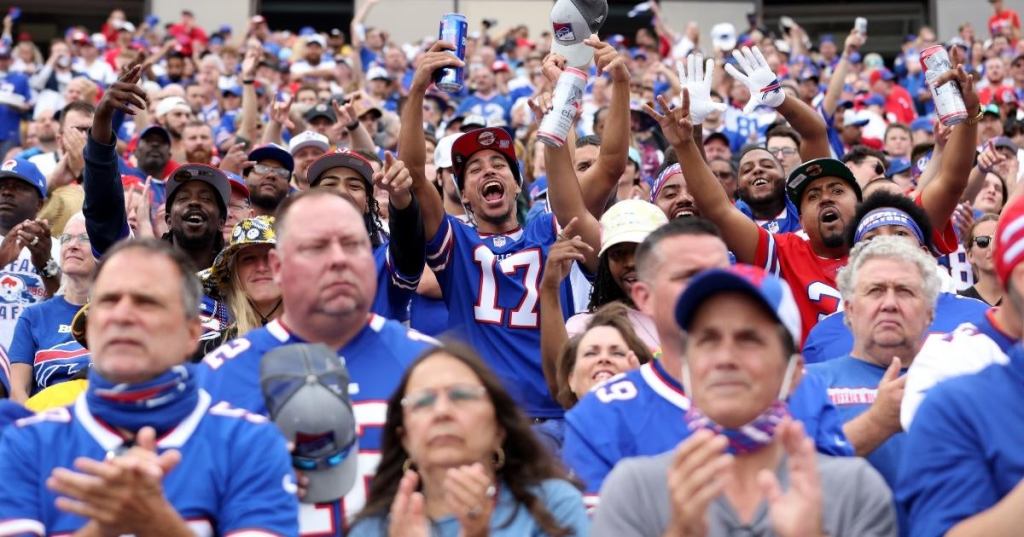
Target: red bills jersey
x=811, y=278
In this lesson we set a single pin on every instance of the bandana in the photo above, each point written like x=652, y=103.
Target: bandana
x=663, y=178
x=748, y=438
x=161, y=403
x=887, y=216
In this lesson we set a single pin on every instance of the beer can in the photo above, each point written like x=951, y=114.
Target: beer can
x=949, y=102
x=453, y=30
x=566, y=103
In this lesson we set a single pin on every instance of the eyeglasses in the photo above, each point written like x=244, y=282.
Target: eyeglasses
x=458, y=395
x=982, y=241
x=782, y=151
x=263, y=169
x=330, y=461
x=66, y=238
x=240, y=206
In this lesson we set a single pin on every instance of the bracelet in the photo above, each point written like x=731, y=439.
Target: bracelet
x=248, y=82
x=975, y=119
x=352, y=126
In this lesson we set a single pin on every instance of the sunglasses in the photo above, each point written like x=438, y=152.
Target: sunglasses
x=458, y=395
x=982, y=241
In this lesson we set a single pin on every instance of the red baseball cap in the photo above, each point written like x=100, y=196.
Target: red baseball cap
x=1009, y=247
x=476, y=140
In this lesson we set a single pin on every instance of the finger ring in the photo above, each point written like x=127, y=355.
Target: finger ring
x=491, y=491
x=35, y=241
x=473, y=513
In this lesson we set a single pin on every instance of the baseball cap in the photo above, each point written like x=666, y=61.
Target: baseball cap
x=723, y=36
x=880, y=74
x=79, y=36
x=125, y=26
x=896, y=166
x=572, y=21
x=308, y=139
x=377, y=73
x=237, y=184
x=629, y=221
x=921, y=124
x=344, y=158
x=199, y=172
x=320, y=110
x=443, y=151
x=634, y=155
x=716, y=136
x=473, y=121
x=478, y=140
x=273, y=152
x=852, y=118
x=768, y=290
x=169, y=104
x=162, y=132
x=807, y=172
x=248, y=232
x=235, y=90
x=24, y=170
x=808, y=73
x=317, y=39
x=305, y=387
x=874, y=99
x=1009, y=249
x=1002, y=142
x=990, y=110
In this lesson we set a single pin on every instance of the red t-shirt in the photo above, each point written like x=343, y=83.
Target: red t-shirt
x=899, y=106
x=811, y=278
x=1001, y=22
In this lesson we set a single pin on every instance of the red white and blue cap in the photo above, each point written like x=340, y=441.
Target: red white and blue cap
x=769, y=290
x=1009, y=249
x=474, y=141
x=17, y=168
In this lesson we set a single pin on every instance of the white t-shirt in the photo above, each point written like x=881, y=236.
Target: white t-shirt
x=20, y=286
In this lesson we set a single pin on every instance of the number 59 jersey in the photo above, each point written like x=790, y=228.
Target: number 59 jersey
x=491, y=285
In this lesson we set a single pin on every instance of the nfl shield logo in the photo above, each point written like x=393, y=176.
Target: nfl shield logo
x=499, y=242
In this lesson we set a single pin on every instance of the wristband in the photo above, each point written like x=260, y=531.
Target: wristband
x=248, y=82
x=352, y=126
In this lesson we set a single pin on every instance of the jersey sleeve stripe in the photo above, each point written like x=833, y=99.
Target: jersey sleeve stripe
x=397, y=278
x=439, y=255
x=21, y=526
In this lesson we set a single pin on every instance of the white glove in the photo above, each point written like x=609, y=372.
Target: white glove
x=764, y=86
x=697, y=81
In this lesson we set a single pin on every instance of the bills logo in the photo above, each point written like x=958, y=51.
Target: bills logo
x=563, y=31
x=8, y=165
x=14, y=289
x=485, y=138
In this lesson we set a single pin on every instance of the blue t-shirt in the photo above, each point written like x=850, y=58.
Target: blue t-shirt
x=394, y=290
x=497, y=107
x=376, y=359
x=509, y=518
x=852, y=387
x=831, y=338
x=835, y=141
x=235, y=473
x=490, y=284
x=13, y=87
x=641, y=413
x=963, y=453
x=42, y=339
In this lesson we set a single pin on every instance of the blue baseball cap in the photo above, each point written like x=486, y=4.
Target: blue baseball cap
x=235, y=90
x=875, y=100
x=17, y=168
x=897, y=165
x=922, y=124
x=273, y=152
x=767, y=289
x=634, y=155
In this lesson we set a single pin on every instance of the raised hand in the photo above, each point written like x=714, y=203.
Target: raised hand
x=966, y=83
x=396, y=180
x=250, y=62
x=552, y=67
x=797, y=511
x=469, y=494
x=435, y=58
x=280, y=113
x=124, y=95
x=854, y=41
x=696, y=476
x=236, y=159
x=568, y=248
x=675, y=122
x=757, y=76
x=696, y=79
x=408, y=516
x=35, y=235
x=886, y=408
x=607, y=59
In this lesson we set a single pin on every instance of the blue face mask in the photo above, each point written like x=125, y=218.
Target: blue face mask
x=756, y=434
x=162, y=402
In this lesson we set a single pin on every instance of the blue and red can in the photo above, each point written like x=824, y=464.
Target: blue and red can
x=454, y=28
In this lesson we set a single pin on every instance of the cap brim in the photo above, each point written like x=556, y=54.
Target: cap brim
x=714, y=281
x=273, y=153
x=829, y=168
x=335, y=160
x=330, y=484
x=635, y=236
x=211, y=176
x=309, y=143
x=724, y=44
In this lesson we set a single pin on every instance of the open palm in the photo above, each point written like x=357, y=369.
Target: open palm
x=675, y=123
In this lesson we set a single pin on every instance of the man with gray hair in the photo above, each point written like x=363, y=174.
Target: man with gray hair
x=889, y=289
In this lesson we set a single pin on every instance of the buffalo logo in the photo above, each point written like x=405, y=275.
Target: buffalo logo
x=13, y=289
x=8, y=165
x=485, y=138
x=813, y=170
x=563, y=31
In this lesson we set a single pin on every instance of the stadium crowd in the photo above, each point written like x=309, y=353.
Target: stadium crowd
x=262, y=282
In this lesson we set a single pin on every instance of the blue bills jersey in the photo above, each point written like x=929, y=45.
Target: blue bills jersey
x=394, y=290
x=218, y=488
x=42, y=339
x=375, y=359
x=641, y=413
x=490, y=284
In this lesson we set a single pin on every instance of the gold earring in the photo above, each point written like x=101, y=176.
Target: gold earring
x=499, y=458
x=408, y=465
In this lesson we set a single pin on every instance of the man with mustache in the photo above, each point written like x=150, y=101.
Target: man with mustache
x=761, y=191
x=197, y=139
x=669, y=193
x=824, y=190
x=269, y=178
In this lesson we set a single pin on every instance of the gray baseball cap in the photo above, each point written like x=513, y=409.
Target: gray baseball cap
x=572, y=21
x=305, y=387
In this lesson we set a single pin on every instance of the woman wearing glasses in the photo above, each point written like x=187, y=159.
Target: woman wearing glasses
x=42, y=352
x=458, y=458
x=980, y=247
